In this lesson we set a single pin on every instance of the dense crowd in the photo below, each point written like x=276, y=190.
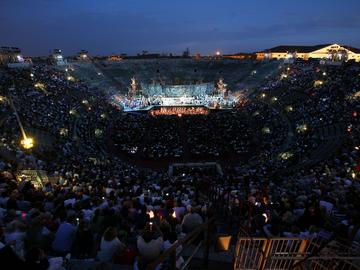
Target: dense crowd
x=96, y=205
x=219, y=134
x=314, y=198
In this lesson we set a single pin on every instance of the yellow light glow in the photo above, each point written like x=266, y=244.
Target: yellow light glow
x=302, y=128
x=98, y=132
x=353, y=175
x=40, y=86
x=318, y=83
x=64, y=132
x=151, y=214
x=285, y=155
x=27, y=143
x=263, y=95
x=265, y=130
x=174, y=214
x=70, y=78
x=289, y=109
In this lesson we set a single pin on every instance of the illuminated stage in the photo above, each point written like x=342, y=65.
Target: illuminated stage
x=142, y=103
x=205, y=95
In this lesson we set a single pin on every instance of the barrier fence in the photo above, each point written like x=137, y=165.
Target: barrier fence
x=292, y=253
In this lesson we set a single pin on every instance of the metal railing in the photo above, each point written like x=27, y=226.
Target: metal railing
x=171, y=255
x=292, y=253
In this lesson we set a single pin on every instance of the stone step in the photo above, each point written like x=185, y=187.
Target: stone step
x=212, y=265
x=91, y=264
x=215, y=256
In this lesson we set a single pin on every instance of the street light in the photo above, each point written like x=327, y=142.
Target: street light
x=26, y=142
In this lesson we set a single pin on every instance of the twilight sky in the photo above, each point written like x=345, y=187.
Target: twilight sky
x=130, y=26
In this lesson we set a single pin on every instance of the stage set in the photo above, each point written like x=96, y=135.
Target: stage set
x=159, y=99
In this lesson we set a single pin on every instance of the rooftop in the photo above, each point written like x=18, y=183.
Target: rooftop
x=304, y=49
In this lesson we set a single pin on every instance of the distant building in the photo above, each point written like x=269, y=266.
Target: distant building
x=146, y=55
x=197, y=56
x=57, y=58
x=83, y=55
x=240, y=56
x=11, y=56
x=114, y=58
x=186, y=53
x=333, y=52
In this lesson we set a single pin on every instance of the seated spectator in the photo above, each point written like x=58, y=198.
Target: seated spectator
x=8, y=256
x=15, y=237
x=150, y=244
x=35, y=259
x=83, y=240
x=191, y=220
x=110, y=245
x=64, y=236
